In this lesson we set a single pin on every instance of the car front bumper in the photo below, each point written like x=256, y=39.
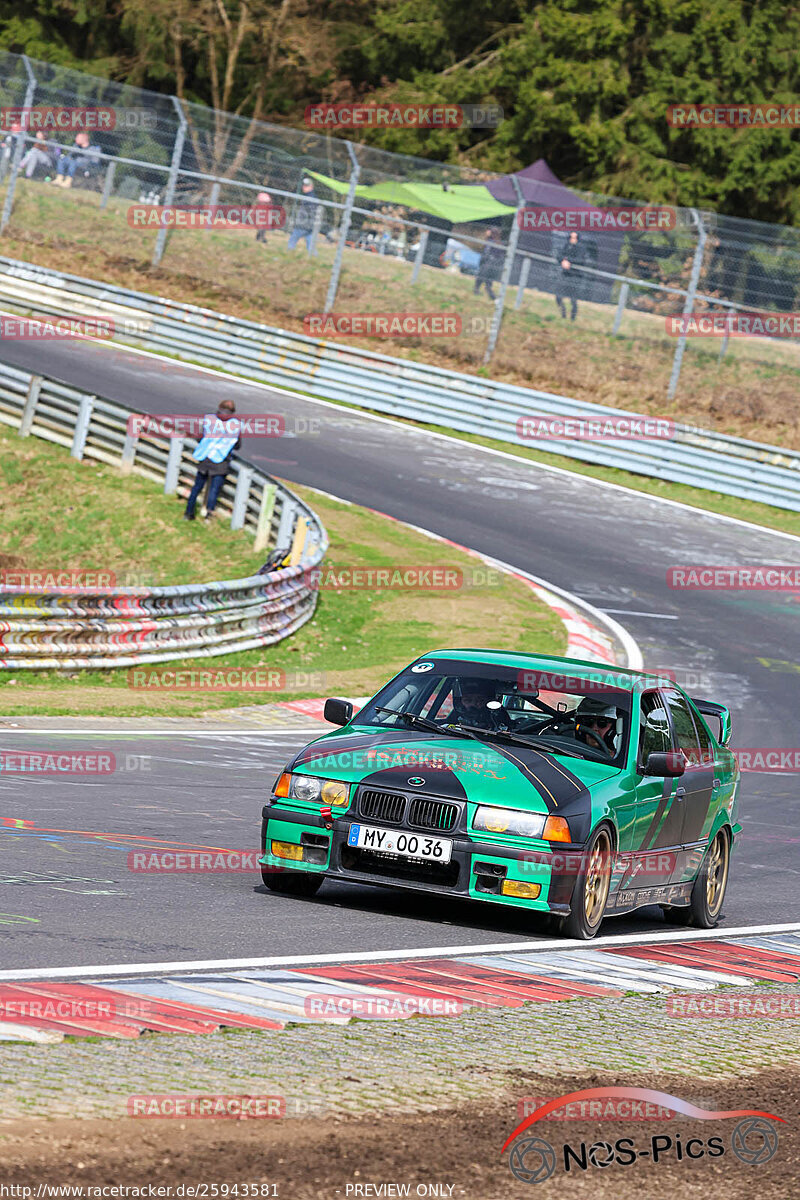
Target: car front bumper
x=477, y=869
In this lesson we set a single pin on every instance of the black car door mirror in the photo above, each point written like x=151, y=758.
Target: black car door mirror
x=337, y=712
x=669, y=763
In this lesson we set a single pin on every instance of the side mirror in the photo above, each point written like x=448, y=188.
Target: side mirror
x=670, y=764
x=338, y=712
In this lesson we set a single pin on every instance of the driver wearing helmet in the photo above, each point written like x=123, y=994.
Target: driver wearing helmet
x=470, y=704
x=596, y=725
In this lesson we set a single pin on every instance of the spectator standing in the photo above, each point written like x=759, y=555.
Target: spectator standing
x=573, y=255
x=490, y=265
x=303, y=226
x=221, y=439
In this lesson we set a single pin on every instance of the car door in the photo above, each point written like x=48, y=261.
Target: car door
x=659, y=811
x=695, y=788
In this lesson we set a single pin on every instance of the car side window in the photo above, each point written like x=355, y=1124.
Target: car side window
x=706, y=746
x=683, y=723
x=654, y=735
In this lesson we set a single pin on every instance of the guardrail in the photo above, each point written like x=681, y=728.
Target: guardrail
x=127, y=626
x=468, y=403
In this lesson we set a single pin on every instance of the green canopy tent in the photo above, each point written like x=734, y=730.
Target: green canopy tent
x=460, y=203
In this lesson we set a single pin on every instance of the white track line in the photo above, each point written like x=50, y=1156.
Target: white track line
x=379, y=956
x=446, y=437
x=267, y=732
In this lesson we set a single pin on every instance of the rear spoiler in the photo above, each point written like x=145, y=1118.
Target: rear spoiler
x=710, y=708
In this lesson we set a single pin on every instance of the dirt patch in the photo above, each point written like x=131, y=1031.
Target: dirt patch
x=457, y=1150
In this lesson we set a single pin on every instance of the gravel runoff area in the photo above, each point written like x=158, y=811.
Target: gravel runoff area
x=421, y=1102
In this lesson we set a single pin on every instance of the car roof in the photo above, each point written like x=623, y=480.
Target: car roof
x=623, y=677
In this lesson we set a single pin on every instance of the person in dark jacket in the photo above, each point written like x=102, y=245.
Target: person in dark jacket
x=573, y=255
x=304, y=217
x=221, y=439
x=491, y=264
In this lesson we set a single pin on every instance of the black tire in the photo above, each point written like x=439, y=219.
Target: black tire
x=708, y=894
x=292, y=883
x=590, y=894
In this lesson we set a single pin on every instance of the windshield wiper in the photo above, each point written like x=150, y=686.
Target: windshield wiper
x=412, y=719
x=518, y=739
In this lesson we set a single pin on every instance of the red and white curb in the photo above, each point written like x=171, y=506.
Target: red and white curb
x=199, y=1002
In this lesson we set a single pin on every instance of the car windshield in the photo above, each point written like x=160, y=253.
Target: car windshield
x=556, y=712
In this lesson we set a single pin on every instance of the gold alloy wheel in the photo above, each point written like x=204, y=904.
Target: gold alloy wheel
x=717, y=873
x=598, y=879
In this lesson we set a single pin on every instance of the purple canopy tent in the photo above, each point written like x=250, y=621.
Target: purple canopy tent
x=541, y=189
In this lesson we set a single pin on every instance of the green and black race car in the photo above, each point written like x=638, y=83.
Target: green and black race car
x=544, y=783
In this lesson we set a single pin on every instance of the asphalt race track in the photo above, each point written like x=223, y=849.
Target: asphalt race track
x=68, y=896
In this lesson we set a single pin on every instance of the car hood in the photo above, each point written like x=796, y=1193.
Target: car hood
x=452, y=767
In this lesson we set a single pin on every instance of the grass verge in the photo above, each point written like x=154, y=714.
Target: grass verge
x=357, y=639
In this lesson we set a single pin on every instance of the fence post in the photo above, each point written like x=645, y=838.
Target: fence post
x=82, y=426
x=523, y=281
x=697, y=266
x=169, y=195
x=419, y=257
x=19, y=146
x=243, y=481
x=31, y=401
x=621, y=302
x=213, y=198
x=129, y=453
x=265, y=516
x=108, y=183
x=344, y=229
x=172, y=472
x=312, y=247
x=497, y=315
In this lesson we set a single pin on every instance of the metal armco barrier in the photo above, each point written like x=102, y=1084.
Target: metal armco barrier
x=701, y=458
x=126, y=626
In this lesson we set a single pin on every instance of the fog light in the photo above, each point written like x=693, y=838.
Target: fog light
x=287, y=850
x=523, y=891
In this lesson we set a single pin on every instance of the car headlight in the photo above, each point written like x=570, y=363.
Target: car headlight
x=509, y=820
x=311, y=790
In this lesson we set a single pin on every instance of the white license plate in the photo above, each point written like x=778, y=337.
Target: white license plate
x=400, y=841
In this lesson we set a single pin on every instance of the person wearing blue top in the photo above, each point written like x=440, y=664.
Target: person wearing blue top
x=221, y=439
